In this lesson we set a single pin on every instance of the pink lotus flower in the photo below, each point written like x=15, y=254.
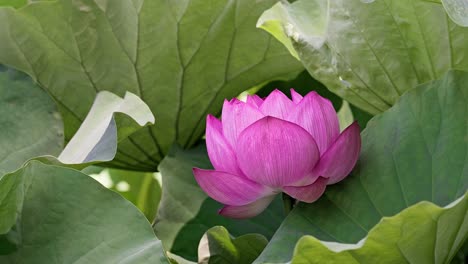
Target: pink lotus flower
x=263, y=147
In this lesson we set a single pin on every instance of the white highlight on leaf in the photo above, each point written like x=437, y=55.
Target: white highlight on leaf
x=457, y=201
x=85, y=8
x=457, y=11
x=243, y=96
x=122, y=186
x=338, y=247
x=204, y=249
x=344, y=82
x=158, y=177
x=178, y=259
x=292, y=32
x=302, y=22
x=103, y=178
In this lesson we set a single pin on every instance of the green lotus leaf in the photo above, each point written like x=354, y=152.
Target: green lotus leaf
x=30, y=123
x=51, y=214
x=218, y=246
x=416, y=151
x=370, y=53
x=182, y=58
x=422, y=233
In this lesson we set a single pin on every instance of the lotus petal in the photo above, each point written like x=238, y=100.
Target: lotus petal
x=296, y=97
x=309, y=193
x=221, y=154
x=317, y=115
x=275, y=152
x=228, y=188
x=277, y=105
x=341, y=157
x=248, y=210
x=236, y=116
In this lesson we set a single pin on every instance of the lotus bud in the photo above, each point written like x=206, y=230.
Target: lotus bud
x=261, y=148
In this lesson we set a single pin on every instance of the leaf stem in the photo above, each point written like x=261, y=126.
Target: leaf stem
x=288, y=203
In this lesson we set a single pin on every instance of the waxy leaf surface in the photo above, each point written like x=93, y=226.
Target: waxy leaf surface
x=182, y=58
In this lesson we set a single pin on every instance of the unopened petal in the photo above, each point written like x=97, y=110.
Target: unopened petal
x=228, y=188
x=309, y=193
x=317, y=115
x=307, y=180
x=236, y=117
x=342, y=156
x=277, y=105
x=296, y=97
x=248, y=210
x=275, y=152
x=221, y=153
x=254, y=100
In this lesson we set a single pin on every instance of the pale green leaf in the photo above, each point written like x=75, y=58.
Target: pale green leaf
x=422, y=233
x=370, y=53
x=457, y=10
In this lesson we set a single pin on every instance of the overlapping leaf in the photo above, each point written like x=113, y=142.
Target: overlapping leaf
x=30, y=124
x=181, y=57
x=140, y=188
x=217, y=246
x=51, y=214
x=416, y=151
x=423, y=233
x=370, y=53
x=110, y=120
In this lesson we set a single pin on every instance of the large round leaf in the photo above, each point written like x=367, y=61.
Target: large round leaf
x=415, y=151
x=186, y=212
x=63, y=216
x=30, y=124
x=370, y=53
x=181, y=57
